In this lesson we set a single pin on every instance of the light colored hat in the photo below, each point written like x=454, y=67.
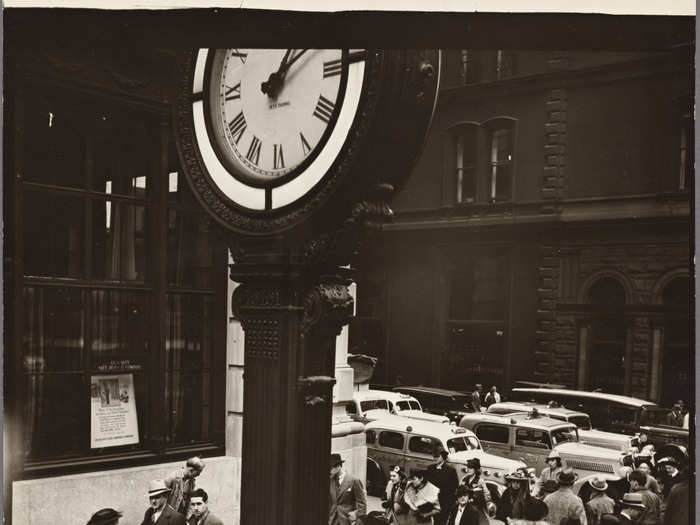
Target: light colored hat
x=156, y=487
x=599, y=484
x=633, y=499
x=554, y=454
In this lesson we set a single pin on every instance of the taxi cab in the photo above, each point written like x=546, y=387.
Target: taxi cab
x=530, y=439
x=370, y=405
x=411, y=445
x=586, y=434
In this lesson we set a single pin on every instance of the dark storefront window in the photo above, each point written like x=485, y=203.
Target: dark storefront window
x=676, y=354
x=93, y=208
x=476, y=329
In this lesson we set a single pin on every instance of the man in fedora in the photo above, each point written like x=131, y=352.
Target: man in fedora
x=348, y=499
x=631, y=510
x=564, y=504
x=600, y=503
x=160, y=513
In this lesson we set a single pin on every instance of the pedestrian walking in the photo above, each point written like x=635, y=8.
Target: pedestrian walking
x=600, y=503
x=473, y=480
x=492, y=397
x=476, y=397
x=199, y=503
x=631, y=509
x=677, y=504
x=550, y=472
x=463, y=512
x=564, y=503
x=652, y=501
x=105, y=516
x=160, y=512
x=348, y=499
x=652, y=483
x=444, y=477
x=515, y=497
x=421, y=501
x=181, y=483
x=668, y=467
x=393, y=493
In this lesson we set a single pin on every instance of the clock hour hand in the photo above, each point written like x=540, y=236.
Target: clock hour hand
x=271, y=87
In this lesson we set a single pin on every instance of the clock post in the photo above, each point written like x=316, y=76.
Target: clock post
x=344, y=120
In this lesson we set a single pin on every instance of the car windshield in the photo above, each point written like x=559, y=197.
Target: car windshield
x=564, y=435
x=407, y=405
x=623, y=415
x=582, y=422
x=462, y=443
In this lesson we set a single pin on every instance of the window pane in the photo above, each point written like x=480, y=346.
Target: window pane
x=492, y=433
x=190, y=244
x=502, y=149
x=53, y=235
x=188, y=349
x=54, y=329
x=423, y=445
x=391, y=440
x=122, y=153
x=121, y=324
x=120, y=241
x=54, y=150
x=503, y=183
x=56, y=415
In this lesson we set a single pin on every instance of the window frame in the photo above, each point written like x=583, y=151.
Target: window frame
x=154, y=447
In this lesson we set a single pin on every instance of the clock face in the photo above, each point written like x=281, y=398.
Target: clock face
x=271, y=122
x=271, y=109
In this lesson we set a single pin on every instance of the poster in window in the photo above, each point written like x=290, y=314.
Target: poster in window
x=113, y=419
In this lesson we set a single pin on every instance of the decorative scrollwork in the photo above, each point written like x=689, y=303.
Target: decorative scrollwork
x=327, y=307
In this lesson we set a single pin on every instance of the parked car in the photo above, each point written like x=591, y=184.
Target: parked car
x=530, y=439
x=412, y=445
x=370, y=405
x=586, y=434
x=449, y=403
x=611, y=412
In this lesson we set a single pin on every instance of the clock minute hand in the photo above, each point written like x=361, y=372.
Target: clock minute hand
x=293, y=59
x=273, y=84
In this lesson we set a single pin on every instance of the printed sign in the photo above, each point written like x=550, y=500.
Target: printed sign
x=113, y=419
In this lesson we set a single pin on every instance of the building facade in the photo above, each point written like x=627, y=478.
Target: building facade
x=122, y=357
x=545, y=233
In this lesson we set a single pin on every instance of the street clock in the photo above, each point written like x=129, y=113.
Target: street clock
x=272, y=137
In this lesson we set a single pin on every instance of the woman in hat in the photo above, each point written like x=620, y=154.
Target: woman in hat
x=393, y=494
x=473, y=480
x=551, y=471
x=421, y=501
x=600, y=503
x=105, y=516
x=515, y=497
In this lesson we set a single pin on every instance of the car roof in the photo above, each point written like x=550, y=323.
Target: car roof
x=401, y=424
x=521, y=419
x=624, y=400
x=519, y=406
x=368, y=395
x=431, y=390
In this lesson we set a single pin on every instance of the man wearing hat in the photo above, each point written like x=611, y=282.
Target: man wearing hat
x=675, y=416
x=563, y=503
x=160, y=513
x=550, y=472
x=444, y=477
x=105, y=517
x=463, y=512
x=600, y=503
x=348, y=500
x=631, y=509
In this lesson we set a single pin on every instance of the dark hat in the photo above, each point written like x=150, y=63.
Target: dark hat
x=668, y=460
x=462, y=490
x=567, y=476
x=633, y=499
x=474, y=463
x=336, y=460
x=104, y=517
x=599, y=484
x=518, y=475
x=550, y=486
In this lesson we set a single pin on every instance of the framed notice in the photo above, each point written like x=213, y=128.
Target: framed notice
x=113, y=419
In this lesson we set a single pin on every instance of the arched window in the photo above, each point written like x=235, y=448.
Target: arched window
x=676, y=357
x=606, y=364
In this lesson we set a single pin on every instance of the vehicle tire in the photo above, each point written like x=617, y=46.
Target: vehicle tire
x=376, y=483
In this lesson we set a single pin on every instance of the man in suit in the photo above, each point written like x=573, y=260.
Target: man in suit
x=443, y=477
x=348, y=500
x=463, y=512
x=160, y=513
x=200, y=509
x=631, y=509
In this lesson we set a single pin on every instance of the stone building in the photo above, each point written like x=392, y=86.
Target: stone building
x=546, y=231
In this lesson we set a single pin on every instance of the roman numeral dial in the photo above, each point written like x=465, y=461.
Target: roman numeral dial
x=276, y=109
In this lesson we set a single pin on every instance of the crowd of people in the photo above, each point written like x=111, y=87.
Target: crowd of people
x=171, y=501
x=435, y=497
